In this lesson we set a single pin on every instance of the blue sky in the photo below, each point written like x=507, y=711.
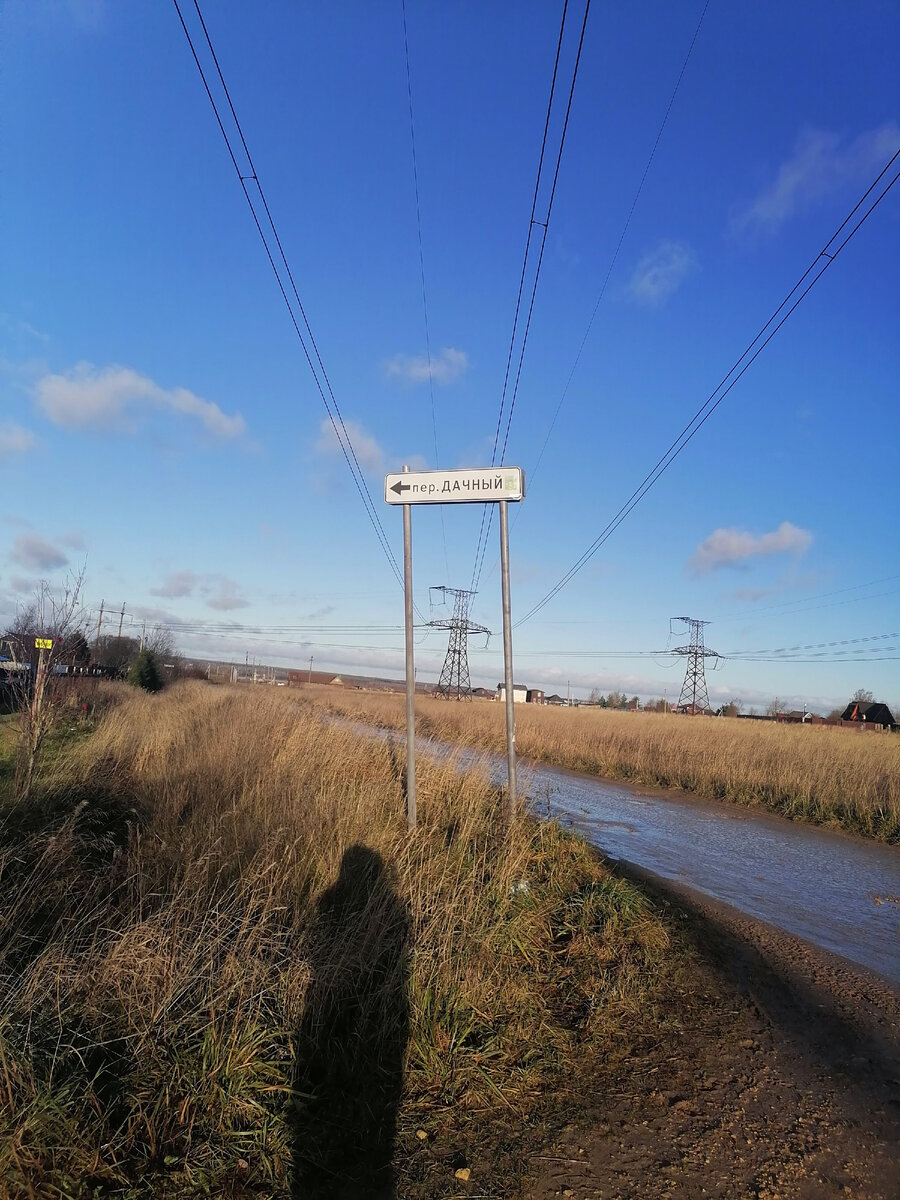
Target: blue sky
x=159, y=423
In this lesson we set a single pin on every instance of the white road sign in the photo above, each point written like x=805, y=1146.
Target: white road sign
x=474, y=486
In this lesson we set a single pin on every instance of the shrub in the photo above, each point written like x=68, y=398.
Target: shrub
x=144, y=672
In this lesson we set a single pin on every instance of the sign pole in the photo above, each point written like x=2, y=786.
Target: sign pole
x=410, y=669
x=508, y=663
x=470, y=485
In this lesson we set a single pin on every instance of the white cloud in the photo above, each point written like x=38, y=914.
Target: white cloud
x=87, y=395
x=182, y=583
x=752, y=595
x=822, y=163
x=449, y=365
x=15, y=440
x=35, y=554
x=368, y=452
x=219, y=592
x=727, y=547
x=19, y=328
x=660, y=273
x=222, y=594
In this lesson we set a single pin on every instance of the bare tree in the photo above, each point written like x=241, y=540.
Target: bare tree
x=47, y=637
x=161, y=642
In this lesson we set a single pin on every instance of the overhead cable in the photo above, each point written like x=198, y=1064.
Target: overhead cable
x=487, y=517
x=415, y=166
x=310, y=350
x=795, y=296
x=612, y=262
x=752, y=612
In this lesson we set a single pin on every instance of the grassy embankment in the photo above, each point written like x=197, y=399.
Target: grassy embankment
x=824, y=775
x=227, y=969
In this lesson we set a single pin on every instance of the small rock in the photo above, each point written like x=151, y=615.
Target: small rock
x=463, y=1173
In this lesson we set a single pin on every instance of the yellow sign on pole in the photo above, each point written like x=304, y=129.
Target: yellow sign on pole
x=43, y=643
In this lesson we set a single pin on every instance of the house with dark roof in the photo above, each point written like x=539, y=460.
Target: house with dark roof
x=871, y=714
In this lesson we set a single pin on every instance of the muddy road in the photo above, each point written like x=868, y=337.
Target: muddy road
x=788, y=1089
x=788, y=1085
x=836, y=891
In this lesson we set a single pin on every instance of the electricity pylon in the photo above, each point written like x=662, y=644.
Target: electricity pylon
x=454, y=683
x=694, y=697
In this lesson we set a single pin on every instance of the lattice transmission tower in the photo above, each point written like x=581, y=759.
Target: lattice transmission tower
x=454, y=683
x=694, y=698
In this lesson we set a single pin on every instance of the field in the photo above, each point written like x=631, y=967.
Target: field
x=821, y=774
x=227, y=968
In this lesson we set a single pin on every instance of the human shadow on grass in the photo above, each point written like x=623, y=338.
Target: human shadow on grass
x=351, y=1044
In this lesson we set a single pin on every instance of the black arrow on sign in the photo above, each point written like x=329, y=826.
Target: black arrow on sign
x=400, y=487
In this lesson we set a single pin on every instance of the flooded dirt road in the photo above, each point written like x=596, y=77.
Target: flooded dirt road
x=784, y=1084
x=839, y=892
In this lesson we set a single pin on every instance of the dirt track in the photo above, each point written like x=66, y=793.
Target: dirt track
x=790, y=1088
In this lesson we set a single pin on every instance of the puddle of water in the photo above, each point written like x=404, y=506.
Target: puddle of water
x=834, y=890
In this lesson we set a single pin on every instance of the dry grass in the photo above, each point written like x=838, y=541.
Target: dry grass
x=825, y=775
x=226, y=968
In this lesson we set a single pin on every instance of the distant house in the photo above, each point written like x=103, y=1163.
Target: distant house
x=534, y=696
x=480, y=693
x=559, y=701
x=795, y=717
x=298, y=678
x=520, y=694
x=871, y=714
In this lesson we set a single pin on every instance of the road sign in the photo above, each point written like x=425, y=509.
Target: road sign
x=43, y=643
x=474, y=486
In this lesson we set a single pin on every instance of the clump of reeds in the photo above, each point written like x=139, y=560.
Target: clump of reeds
x=225, y=964
x=821, y=774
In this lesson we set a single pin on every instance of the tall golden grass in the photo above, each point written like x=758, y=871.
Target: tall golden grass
x=821, y=774
x=213, y=922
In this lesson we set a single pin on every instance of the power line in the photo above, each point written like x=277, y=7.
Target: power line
x=822, y=596
x=612, y=262
x=875, y=637
x=487, y=517
x=817, y=269
x=412, y=138
x=268, y=634
x=814, y=661
x=323, y=384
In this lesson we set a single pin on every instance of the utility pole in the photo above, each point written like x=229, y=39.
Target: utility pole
x=99, y=623
x=121, y=618
x=454, y=682
x=143, y=633
x=309, y=679
x=694, y=697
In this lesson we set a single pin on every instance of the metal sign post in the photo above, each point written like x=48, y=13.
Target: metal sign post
x=473, y=486
x=410, y=670
x=508, y=664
